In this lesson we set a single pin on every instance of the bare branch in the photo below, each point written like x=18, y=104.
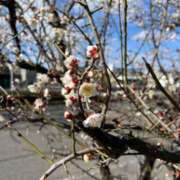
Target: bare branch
x=64, y=161
x=160, y=86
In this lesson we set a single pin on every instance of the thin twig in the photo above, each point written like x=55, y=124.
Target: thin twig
x=176, y=105
x=64, y=161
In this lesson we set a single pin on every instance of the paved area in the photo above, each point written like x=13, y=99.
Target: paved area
x=19, y=162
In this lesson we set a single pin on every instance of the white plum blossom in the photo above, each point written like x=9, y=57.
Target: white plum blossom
x=37, y=87
x=34, y=88
x=38, y=104
x=93, y=120
x=43, y=78
x=71, y=62
x=67, y=77
x=171, y=79
x=69, y=80
x=165, y=81
x=90, y=74
x=50, y=17
x=87, y=157
x=177, y=85
x=92, y=52
x=87, y=89
x=46, y=93
x=172, y=88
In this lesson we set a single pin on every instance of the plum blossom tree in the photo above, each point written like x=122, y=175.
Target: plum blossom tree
x=71, y=44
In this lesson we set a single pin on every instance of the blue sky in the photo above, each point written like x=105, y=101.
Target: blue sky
x=113, y=55
x=133, y=45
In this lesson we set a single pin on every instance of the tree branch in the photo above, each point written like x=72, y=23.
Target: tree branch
x=145, y=143
x=11, y=5
x=64, y=161
x=176, y=105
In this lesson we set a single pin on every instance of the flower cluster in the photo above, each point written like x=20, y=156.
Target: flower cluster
x=70, y=81
x=85, y=89
x=39, y=105
x=42, y=81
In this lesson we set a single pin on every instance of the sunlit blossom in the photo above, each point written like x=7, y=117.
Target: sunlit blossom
x=87, y=89
x=38, y=104
x=34, y=88
x=71, y=62
x=87, y=157
x=46, y=93
x=90, y=74
x=43, y=78
x=93, y=120
x=67, y=77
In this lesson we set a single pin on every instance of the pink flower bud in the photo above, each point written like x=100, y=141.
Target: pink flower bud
x=68, y=90
x=160, y=114
x=68, y=115
x=73, y=99
x=74, y=63
x=75, y=80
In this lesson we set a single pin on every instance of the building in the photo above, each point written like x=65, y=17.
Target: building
x=12, y=76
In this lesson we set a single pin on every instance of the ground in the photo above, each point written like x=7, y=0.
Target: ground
x=19, y=162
